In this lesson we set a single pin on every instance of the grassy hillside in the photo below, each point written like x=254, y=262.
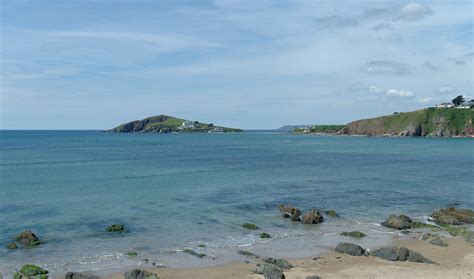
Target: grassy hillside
x=425, y=122
x=168, y=124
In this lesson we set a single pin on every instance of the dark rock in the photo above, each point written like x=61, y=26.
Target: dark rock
x=270, y=271
x=264, y=235
x=250, y=226
x=399, y=254
x=332, y=213
x=139, y=274
x=290, y=212
x=439, y=242
x=386, y=253
x=116, y=228
x=77, y=275
x=192, y=253
x=131, y=253
x=350, y=248
x=12, y=246
x=355, y=234
x=313, y=216
x=28, y=238
x=247, y=253
x=453, y=216
x=312, y=277
x=281, y=263
x=400, y=222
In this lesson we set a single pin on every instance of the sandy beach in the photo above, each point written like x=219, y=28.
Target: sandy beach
x=454, y=261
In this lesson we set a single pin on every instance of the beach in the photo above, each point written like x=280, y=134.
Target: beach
x=454, y=261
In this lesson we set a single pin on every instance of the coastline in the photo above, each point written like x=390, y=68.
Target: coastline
x=454, y=261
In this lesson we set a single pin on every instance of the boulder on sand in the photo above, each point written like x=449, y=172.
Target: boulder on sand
x=139, y=274
x=77, y=275
x=350, y=249
x=453, y=216
x=281, y=263
x=313, y=216
x=399, y=254
x=270, y=271
x=28, y=238
x=290, y=212
x=400, y=222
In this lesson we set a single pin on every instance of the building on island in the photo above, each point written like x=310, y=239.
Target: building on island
x=188, y=125
x=444, y=105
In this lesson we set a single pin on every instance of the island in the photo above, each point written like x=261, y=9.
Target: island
x=443, y=120
x=169, y=124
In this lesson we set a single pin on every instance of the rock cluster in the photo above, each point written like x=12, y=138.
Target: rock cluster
x=77, y=275
x=116, y=228
x=281, y=263
x=139, y=274
x=400, y=254
x=313, y=216
x=270, y=271
x=290, y=212
x=453, y=216
x=28, y=238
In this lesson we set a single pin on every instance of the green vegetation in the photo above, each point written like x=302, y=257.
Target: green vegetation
x=420, y=225
x=325, y=129
x=202, y=246
x=168, y=124
x=12, y=246
x=250, y=226
x=458, y=100
x=192, y=253
x=425, y=122
x=31, y=271
x=264, y=235
x=131, y=254
x=355, y=234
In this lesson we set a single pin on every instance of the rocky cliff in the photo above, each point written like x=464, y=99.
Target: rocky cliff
x=435, y=122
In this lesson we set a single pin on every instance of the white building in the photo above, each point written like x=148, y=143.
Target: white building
x=188, y=125
x=444, y=105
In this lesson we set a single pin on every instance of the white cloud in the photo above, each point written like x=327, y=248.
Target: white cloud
x=399, y=93
x=445, y=90
x=384, y=67
x=414, y=11
x=424, y=100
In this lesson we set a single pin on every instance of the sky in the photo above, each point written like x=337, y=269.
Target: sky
x=241, y=63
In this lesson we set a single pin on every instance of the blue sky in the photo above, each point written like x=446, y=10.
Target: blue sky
x=249, y=64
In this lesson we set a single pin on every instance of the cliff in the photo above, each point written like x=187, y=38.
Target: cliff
x=434, y=122
x=168, y=124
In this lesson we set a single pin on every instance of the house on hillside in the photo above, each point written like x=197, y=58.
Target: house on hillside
x=466, y=105
x=188, y=125
x=444, y=105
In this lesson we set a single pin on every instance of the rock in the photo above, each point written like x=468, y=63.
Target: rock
x=12, y=246
x=192, y=253
x=350, y=249
x=131, y=253
x=453, y=216
x=250, y=226
x=77, y=275
x=400, y=222
x=116, y=228
x=386, y=253
x=247, y=253
x=439, y=242
x=139, y=274
x=355, y=234
x=313, y=216
x=418, y=258
x=332, y=213
x=270, y=271
x=290, y=212
x=312, y=277
x=30, y=271
x=281, y=263
x=399, y=254
x=264, y=235
x=28, y=238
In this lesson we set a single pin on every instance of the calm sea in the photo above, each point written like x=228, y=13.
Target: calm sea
x=177, y=191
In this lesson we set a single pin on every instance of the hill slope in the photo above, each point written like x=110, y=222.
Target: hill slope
x=436, y=122
x=168, y=124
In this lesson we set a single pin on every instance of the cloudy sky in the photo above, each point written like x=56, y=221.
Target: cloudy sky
x=250, y=64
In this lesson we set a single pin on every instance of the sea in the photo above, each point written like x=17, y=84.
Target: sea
x=194, y=191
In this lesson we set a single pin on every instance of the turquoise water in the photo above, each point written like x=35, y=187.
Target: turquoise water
x=176, y=191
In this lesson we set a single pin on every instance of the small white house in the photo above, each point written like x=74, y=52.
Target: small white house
x=188, y=125
x=444, y=105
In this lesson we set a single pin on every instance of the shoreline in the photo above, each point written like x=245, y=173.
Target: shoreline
x=453, y=261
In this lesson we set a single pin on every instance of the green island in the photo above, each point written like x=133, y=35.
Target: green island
x=169, y=124
x=428, y=122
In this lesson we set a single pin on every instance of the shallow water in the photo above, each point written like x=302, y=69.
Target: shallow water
x=176, y=191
